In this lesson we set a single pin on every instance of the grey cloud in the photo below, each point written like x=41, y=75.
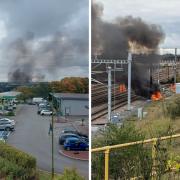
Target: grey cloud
x=44, y=37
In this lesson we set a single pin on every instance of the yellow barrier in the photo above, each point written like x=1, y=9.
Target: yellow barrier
x=154, y=141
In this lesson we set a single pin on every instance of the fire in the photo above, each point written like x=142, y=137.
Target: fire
x=156, y=96
x=122, y=88
x=173, y=87
x=136, y=48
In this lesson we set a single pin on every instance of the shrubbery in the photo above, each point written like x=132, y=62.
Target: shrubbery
x=10, y=113
x=20, y=163
x=125, y=163
x=70, y=174
x=173, y=107
x=11, y=170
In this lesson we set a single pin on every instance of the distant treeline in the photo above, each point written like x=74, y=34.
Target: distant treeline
x=66, y=85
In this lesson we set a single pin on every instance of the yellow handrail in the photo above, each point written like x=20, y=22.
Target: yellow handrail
x=107, y=149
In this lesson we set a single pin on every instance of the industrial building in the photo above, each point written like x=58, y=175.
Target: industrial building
x=71, y=104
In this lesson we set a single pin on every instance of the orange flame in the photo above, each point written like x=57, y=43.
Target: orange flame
x=122, y=88
x=156, y=96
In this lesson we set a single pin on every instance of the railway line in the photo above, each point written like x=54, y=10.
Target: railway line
x=99, y=96
x=99, y=100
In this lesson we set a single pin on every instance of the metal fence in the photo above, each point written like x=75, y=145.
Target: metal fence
x=154, y=142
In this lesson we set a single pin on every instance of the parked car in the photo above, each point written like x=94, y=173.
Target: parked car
x=63, y=137
x=41, y=105
x=46, y=112
x=75, y=144
x=7, y=120
x=7, y=124
x=73, y=131
x=69, y=130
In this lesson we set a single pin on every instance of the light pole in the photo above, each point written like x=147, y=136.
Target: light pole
x=109, y=93
x=52, y=147
x=129, y=80
x=175, y=60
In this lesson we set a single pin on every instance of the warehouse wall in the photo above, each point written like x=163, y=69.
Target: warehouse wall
x=74, y=107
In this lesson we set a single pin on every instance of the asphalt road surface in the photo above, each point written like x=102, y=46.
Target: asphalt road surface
x=31, y=136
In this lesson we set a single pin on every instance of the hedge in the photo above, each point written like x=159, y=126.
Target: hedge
x=10, y=170
x=18, y=157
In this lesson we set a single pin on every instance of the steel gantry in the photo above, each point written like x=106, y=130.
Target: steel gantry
x=109, y=69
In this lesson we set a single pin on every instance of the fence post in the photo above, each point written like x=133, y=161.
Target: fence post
x=106, y=164
x=154, y=158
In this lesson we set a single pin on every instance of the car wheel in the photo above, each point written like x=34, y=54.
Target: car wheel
x=68, y=148
x=7, y=129
x=42, y=114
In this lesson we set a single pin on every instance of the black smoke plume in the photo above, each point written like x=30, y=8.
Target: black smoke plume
x=114, y=40
x=33, y=60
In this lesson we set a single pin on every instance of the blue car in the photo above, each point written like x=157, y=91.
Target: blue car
x=73, y=143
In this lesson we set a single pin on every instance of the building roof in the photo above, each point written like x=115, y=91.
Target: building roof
x=68, y=96
x=9, y=94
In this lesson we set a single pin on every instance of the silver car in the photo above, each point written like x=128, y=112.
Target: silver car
x=7, y=124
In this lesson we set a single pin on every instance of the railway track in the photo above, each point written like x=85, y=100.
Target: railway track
x=100, y=94
x=100, y=101
x=102, y=110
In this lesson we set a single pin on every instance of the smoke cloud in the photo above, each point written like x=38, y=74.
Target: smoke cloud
x=44, y=38
x=114, y=40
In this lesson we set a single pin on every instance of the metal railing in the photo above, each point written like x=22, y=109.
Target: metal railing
x=154, y=141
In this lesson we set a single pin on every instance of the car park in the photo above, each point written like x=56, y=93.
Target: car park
x=46, y=112
x=75, y=144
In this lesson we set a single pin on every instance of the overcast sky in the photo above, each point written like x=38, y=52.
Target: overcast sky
x=163, y=12
x=47, y=37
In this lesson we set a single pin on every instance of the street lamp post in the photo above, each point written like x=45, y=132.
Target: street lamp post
x=175, y=61
x=52, y=147
x=129, y=80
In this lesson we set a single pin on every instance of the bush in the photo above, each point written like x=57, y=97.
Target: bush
x=173, y=108
x=124, y=163
x=70, y=174
x=10, y=113
x=18, y=157
x=11, y=170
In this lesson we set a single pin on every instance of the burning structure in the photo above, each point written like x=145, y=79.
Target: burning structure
x=115, y=39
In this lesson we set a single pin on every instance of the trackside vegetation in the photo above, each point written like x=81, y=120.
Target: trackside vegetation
x=137, y=161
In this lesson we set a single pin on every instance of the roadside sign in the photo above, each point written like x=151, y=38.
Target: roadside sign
x=177, y=88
